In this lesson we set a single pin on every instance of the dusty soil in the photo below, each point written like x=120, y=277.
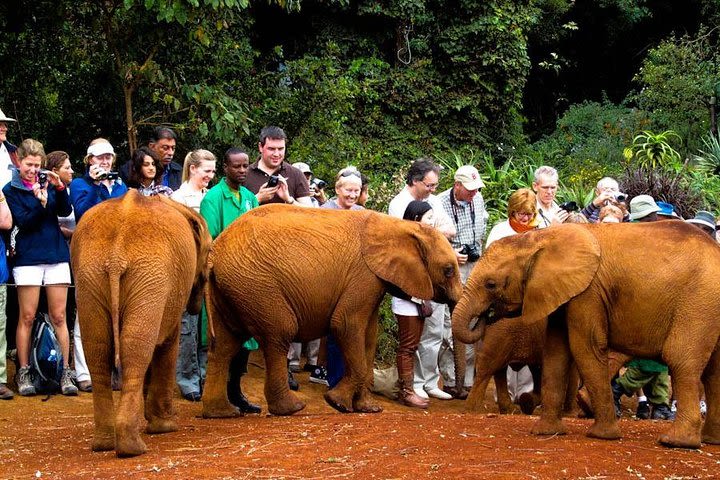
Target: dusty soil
x=51, y=439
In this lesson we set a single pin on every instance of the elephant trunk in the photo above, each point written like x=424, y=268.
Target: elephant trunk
x=462, y=317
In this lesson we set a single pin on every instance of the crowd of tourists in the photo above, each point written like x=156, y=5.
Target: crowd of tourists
x=41, y=203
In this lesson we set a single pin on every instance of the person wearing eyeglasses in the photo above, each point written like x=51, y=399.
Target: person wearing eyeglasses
x=421, y=181
x=464, y=204
x=522, y=217
x=545, y=186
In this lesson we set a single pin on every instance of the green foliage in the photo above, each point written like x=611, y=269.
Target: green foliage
x=653, y=150
x=676, y=82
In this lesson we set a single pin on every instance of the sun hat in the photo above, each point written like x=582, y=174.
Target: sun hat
x=642, y=206
x=100, y=148
x=469, y=177
x=667, y=209
x=303, y=167
x=4, y=118
x=704, y=218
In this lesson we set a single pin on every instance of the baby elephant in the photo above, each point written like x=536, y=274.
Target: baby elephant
x=137, y=260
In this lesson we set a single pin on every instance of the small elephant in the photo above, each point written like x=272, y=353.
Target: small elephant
x=283, y=273
x=138, y=262
x=644, y=290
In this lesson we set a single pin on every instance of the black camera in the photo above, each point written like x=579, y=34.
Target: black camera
x=472, y=252
x=273, y=182
x=318, y=184
x=620, y=196
x=42, y=179
x=569, y=207
x=103, y=175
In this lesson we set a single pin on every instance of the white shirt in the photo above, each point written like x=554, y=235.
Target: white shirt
x=189, y=196
x=6, y=165
x=546, y=216
x=501, y=230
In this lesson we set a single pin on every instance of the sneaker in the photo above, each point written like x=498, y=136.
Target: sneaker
x=662, y=412
x=309, y=367
x=24, y=382
x=643, y=411
x=294, y=367
x=67, y=387
x=84, y=385
x=319, y=375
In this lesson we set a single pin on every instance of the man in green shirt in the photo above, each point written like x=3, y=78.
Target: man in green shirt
x=222, y=205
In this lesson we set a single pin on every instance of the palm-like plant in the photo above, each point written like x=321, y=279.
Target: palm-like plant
x=709, y=159
x=653, y=150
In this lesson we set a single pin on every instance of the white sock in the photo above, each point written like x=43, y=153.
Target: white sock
x=642, y=398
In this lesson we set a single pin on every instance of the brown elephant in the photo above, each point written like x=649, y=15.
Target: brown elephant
x=138, y=262
x=283, y=273
x=644, y=290
x=507, y=341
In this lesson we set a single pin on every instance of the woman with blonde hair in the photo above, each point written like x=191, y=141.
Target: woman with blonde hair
x=36, y=199
x=198, y=171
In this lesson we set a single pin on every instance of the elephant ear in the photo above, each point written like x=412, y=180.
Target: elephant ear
x=397, y=252
x=564, y=263
x=203, y=242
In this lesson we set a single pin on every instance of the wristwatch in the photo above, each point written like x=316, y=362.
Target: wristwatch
x=291, y=201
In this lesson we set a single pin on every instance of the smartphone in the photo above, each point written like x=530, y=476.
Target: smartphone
x=273, y=182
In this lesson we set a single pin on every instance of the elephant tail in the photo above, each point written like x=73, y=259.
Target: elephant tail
x=114, y=275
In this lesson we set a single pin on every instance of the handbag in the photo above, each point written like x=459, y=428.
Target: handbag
x=425, y=309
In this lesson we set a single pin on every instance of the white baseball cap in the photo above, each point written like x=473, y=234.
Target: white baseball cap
x=469, y=177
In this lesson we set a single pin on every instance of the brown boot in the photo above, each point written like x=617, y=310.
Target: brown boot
x=408, y=397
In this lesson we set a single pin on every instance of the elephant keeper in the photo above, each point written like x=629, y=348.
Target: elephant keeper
x=464, y=204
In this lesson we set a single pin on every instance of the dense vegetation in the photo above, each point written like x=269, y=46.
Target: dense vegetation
x=613, y=87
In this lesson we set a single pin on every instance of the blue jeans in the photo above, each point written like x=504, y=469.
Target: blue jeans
x=187, y=372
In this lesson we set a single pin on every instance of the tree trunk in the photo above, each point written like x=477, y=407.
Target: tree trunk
x=128, y=91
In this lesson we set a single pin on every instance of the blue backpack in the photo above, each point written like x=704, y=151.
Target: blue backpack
x=46, y=360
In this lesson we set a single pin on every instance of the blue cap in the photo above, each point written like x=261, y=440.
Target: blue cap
x=666, y=209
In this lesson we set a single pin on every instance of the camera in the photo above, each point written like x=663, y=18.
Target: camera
x=569, y=206
x=42, y=179
x=105, y=175
x=620, y=196
x=273, y=182
x=472, y=252
x=318, y=184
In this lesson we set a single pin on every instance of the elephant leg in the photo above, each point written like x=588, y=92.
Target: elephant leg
x=159, y=410
x=364, y=401
x=475, y=401
x=590, y=353
x=570, y=407
x=556, y=362
x=135, y=362
x=687, y=368
x=224, y=347
x=281, y=401
x=97, y=340
x=354, y=354
x=505, y=404
x=711, y=381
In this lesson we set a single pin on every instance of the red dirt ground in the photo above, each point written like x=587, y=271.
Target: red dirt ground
x=52, y=440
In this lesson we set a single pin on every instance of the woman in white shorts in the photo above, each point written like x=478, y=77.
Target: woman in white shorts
x=41, y=257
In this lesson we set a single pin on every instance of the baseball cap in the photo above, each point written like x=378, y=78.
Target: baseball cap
x=469, y=177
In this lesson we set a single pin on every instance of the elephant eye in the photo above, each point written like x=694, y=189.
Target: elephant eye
x=490, y=284
x=449, y=271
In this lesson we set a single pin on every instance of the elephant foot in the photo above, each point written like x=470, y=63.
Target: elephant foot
x=366, y=405
x=710, y=434
x=130, y=446
x=548, y=427
x=161, y=425
x=285, y=406
x=338, y=401
x=103, y=442
x=583, y=401
x=604, y=431
x=475, y=401
x=678, y=439
x=219, y=409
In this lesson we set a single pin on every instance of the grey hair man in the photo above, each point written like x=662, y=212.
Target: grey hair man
x=607, y=191
x=545, y=186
